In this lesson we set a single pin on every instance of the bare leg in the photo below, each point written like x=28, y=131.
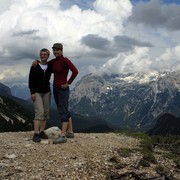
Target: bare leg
x=36, y=126
x=70, y=127
x=42, y=125
x=64, y=128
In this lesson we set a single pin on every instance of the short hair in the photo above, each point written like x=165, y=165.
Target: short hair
x=45, y=50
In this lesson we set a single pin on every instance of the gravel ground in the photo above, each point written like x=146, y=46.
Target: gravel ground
x=87, y=156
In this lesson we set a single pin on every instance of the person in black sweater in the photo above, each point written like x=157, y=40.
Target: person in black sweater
x=39, y=85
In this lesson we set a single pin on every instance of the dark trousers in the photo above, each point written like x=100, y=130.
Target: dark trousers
x=61, y=97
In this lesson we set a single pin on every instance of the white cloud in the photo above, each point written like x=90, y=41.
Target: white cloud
x=114, y=10
x=136, y=61
x=169, y=60
x=140, y=61
x=29, y=25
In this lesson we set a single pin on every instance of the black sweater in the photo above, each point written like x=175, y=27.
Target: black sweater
x=39, y=79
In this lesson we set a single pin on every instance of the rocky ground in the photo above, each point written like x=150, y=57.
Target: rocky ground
x=88, y=156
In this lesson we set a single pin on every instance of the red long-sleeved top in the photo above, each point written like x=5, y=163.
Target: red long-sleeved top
x=60, y=68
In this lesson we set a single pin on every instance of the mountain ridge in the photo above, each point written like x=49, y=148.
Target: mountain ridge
x=166, y=124
x=13, y=116
x=127, y=100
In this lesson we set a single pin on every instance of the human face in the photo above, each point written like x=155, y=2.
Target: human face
x=44, y=56
x=57, y=52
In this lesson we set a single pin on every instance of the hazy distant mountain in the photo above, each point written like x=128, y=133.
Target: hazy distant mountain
x=4, y=90
x=21, y=91
x=128, y=100
x=166, y=124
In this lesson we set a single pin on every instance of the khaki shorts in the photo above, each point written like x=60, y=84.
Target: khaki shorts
x=42, y=106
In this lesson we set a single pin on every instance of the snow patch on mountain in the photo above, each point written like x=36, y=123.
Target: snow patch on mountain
x=136, y=98
x=6, y=118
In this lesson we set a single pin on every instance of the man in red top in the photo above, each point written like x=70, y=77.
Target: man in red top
x=60, y=67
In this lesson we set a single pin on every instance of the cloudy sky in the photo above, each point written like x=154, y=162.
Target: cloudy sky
x=99, y=36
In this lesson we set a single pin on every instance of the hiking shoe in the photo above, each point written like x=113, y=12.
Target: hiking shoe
x=69, y=135
x=60, y=139
x=42, y=135
x=36, y=138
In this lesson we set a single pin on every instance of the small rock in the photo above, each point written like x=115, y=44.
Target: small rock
x=27, y=145
x=11, y=156
x=45, y=142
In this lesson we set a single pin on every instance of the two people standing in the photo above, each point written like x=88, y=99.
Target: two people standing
x=60, y=66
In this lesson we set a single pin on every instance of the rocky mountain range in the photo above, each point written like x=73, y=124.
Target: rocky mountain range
x=13, y=116
x=103, y=103
x=128, y=100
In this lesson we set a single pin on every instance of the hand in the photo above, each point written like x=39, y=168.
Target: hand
x=64, y=86
x=33, y=97
x=34, y=63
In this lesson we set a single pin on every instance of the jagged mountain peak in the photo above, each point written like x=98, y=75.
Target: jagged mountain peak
x=89, y=84
x=139, y=77
x=92, y=85
x=133, y=99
